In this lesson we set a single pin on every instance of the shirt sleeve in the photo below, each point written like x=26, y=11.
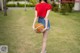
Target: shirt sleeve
x=49, y=7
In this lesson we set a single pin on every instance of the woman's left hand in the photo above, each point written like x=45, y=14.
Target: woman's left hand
x=44, y=29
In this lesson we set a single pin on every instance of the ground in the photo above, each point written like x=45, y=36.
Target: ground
x=16, y=32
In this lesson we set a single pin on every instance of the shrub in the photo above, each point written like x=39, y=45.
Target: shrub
x=30, y=5
x=63, y=9
x=71, y=5
x=66, y=7
x=33, y=1
x=20, y=5
x=54, y=7
x=27, y=5
x=11, y=5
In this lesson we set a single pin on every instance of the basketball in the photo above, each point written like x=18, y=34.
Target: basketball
x=39, y=27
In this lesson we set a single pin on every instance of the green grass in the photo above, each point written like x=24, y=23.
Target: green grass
x=16, y=32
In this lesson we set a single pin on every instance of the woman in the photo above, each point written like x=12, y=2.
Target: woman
x=42, y=10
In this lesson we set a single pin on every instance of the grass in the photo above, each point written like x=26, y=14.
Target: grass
x=16, y=32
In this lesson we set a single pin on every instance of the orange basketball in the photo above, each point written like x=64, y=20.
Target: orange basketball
x=39, y=27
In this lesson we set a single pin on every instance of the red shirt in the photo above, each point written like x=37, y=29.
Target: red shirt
x=42, y=9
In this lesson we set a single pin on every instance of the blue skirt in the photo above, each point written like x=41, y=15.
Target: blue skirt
x=41, y=20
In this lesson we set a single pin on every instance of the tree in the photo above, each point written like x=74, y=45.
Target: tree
x=1, y=4
x=4, y=7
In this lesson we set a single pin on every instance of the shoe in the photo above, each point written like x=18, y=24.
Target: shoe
x=44, y=51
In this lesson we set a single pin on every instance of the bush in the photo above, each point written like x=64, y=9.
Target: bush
x=11, y=5
x=54, y=7
x=71, y=5
x=30, y=5
x=20, y=5
x=65, y=7
x=27, y=5
x=33, y=2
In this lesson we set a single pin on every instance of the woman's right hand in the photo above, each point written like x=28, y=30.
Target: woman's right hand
x=33, y=27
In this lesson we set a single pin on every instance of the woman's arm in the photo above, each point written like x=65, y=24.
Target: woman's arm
x=46, y=20
x=35, y=19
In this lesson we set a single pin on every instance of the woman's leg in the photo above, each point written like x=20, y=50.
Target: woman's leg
x=44, y=41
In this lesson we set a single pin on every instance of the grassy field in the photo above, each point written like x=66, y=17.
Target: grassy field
x=16, y=32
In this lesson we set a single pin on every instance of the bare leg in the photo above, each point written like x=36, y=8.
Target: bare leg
x=44, y=41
